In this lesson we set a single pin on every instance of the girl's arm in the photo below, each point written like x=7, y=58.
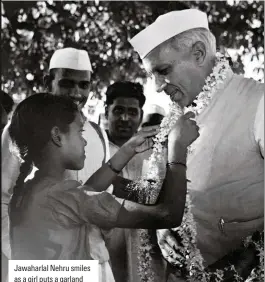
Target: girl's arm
x=106, y=211
x=105, y=175
x=168, y=212
x=72, y=206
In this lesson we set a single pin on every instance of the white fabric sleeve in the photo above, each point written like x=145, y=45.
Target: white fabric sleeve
x=10, y=172
x=10, y=165
x=106, y=140
x=259, y=126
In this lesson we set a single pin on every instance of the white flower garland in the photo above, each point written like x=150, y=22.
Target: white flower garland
x=148, y=187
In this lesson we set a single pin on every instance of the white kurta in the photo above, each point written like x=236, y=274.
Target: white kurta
x=123, y=243
x=227, y=168
x=10, y=170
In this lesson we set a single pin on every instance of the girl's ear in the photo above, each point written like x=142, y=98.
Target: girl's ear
x=56, y=136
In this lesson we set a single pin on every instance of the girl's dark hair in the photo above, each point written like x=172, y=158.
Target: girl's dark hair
x=30, y=131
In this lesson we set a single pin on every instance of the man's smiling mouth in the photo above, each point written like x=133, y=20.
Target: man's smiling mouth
x=173, y=93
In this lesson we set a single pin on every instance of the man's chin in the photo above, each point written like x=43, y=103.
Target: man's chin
x=125, y=134
x=180, y=103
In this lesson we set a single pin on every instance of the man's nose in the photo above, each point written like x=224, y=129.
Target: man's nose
x=124, y=116
x=75, y=91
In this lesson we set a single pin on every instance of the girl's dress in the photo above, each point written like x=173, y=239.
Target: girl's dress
x=62, y=221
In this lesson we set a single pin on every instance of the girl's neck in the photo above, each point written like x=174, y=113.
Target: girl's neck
x=52, y=170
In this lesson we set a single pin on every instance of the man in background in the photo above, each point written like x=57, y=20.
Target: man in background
x=153, y=115
x=124, y=113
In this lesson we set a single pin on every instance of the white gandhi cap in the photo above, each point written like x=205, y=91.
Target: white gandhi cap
x=167, y=26
x=70, y=58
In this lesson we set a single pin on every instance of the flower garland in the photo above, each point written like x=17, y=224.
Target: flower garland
x=148, y=188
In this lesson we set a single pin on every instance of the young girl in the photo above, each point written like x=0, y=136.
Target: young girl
x=53, y=218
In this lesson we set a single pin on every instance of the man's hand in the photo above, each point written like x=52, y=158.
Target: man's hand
x=169, y=246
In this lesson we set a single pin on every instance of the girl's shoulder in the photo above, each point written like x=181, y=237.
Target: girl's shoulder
x=64, y=185
x=46, y=185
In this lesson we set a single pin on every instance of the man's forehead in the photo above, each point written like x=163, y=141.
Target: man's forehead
x=74, y=74
x=126, y=102
x=157, y=57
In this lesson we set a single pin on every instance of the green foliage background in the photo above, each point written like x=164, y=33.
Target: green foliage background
x=32, y=30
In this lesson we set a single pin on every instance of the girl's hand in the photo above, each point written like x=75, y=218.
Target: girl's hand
x=142, y=140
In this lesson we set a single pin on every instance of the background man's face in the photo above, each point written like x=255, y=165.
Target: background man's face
x=4, y=118
x=124, y=117
x=178, y=69
x=74, y=83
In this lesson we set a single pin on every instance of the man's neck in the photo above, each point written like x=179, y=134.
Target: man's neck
x=117, y=141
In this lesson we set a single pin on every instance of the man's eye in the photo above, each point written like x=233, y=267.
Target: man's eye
x=118, y=111
x=84, y=84
x=66, y=83
x=133, y=113
x=163, y=71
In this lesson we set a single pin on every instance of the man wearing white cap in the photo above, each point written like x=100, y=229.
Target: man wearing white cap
x=69, y=74
x=153, y=115
x=226, y=166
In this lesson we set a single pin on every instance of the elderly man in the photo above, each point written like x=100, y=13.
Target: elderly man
x=69, y=74
x=124, y=113
x=226, y=166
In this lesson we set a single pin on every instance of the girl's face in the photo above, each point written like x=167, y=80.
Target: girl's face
x=73, y=145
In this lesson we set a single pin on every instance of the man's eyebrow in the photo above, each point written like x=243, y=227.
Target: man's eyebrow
x=72, y=79
x=119, y=106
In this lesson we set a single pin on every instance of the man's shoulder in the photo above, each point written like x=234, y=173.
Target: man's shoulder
x=250, y=82
x=95, y=135
x=91, y=125
x=91, y=129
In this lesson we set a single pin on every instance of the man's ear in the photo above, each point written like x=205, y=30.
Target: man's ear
x=141, y=117
x=56, y=136
x=47, y=82
x=106, y=112
x=199, y=52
